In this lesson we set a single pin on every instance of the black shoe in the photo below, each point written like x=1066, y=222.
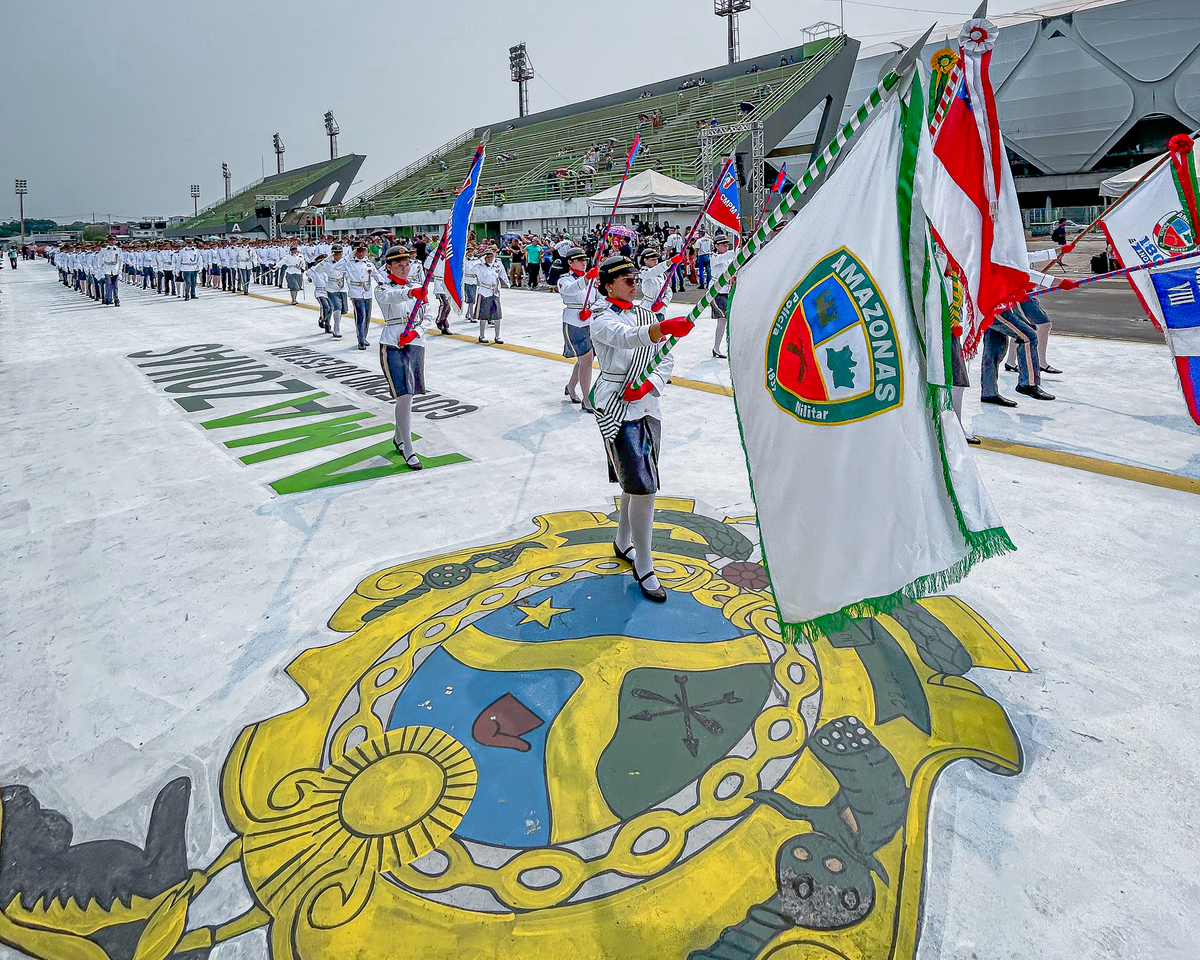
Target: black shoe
x=567, y=394
x=362, y=346
x=659, y=595
x=497, y=340
x=1011, y=367
x=1036, y=392
x=973, y=440
x=626, y=554
x=483, y=339
x=1051, y=370
x=414, y=463
x=999, y=401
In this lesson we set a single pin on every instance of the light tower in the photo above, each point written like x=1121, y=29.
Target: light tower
x=279, y=148
x=730, y=9
x=331, y=131
x=22, y=189
x=520, y=70
x=225, y=174
x=196, y=199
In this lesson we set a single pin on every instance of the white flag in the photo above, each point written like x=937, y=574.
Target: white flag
x=866, y=492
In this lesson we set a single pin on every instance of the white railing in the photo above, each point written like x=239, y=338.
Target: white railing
x=412, y=168
x=236, y=193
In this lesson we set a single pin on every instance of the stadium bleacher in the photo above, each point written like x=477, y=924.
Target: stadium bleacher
x=241, y=205
x=548, y=160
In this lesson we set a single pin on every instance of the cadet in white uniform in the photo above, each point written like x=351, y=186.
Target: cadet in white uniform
x=189, y=266
x=360, y=274
x=624, y=336
x=335, y=287
x=316, y=273
x=401, y=345
x=720, y=308
x=293, y=268
x=579, y=294
x=488, y=277
x=110, y=265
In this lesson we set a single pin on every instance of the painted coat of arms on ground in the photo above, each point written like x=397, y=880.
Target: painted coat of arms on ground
x=513, y=755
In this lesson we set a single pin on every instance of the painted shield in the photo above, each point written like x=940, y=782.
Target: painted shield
x=512, y=754
x=832, y=355
x=1173, y=234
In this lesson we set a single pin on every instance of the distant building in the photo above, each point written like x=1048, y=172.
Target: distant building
x=150, y=228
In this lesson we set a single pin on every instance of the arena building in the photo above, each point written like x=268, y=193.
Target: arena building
x=1084, y=89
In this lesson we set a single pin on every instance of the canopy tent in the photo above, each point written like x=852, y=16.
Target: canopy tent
x=650, y=190
x=1116, y=185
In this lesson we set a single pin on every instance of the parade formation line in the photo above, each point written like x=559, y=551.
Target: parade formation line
x=1097, y=465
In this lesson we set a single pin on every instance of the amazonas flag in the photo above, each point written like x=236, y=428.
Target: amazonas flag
x=460, y=220
x=866, y=492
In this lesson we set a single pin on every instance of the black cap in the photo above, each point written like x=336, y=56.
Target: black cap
x=614, y=267
x=575, y=253
x=396, y=253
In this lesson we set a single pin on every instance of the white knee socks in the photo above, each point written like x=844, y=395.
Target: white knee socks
x=583, y=373
x=1043, y=334
x=404, y=423
x=641, y=526
x=721, y=324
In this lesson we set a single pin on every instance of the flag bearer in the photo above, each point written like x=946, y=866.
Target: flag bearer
x=624, y=336
x=401, y=353
x=574, y=287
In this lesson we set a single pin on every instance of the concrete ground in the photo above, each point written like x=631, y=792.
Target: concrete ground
x=154, y=587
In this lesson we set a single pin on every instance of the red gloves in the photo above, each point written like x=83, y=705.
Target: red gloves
x=677, y=259
x=676, y=327
x=656, y=306
x=593, y=274
x=408, y=338
x=585, y=313
x=633, y=393
x=1066, y=248
x=420, y=294
x=1068, y=284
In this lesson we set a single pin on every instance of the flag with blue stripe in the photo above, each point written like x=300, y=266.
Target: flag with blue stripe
x=460, y=222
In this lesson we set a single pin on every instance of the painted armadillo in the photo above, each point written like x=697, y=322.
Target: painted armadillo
x=824, y=877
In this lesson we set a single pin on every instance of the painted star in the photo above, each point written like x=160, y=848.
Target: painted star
x=543, y=613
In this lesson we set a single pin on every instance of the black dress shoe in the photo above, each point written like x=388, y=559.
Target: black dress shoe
x=999, y=401
x=718, y=356
x=626, y=554
x=659, y=595
x=413, y=462
x=1051, y=370
x=973, y=440
x=1011, y=367
x=1036, y=392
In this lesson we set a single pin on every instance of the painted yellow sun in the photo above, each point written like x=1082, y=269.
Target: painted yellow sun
x=383, y=804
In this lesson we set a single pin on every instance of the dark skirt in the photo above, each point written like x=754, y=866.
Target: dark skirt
x=958, y=368
x=295, y=282
x=404, y=368
x=633, y=456
x=489, y=309
x=720, y=306
x=576, y=341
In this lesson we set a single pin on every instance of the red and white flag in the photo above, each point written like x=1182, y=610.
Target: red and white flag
x=973, y=207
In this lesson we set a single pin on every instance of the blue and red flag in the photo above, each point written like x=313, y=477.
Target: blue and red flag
x=456, y=230
x=1178, y=289
x=637, y=144
x=780, y=180
x=724, y=207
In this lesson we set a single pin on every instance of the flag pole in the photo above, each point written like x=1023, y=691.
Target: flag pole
x=1069, y=284
x=637, y=142
x=951, y=88
x=791, y=198
x=774, y=190
x=441, y=247
x=695, y=226
x=1068, y=247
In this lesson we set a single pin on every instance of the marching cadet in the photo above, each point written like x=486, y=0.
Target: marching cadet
x=624, y=335
x=293, y=268
x=656, y=290
x=488, y=277
x=360, y=274
x=189, y=266
x=110, y=270
x=720, y=307
x=316, y=273
x=470, y=282
x=243, y=260
x=335, y=285
x=439, y=289
x=579, y=295
x=401, y=347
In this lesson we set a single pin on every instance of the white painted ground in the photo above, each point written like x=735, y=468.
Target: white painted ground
x=152, y=589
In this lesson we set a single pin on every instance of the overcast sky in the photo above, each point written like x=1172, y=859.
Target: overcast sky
x=115, y=108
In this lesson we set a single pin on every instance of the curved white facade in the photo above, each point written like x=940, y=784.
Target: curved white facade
x=1072, y=79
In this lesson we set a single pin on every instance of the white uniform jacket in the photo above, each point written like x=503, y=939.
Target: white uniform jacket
x=316, y=273
x=615, y=336
x=396, y=302
x=110, y=260
x=189, y=260
x=573, y=289
x=488, y=277
x=359, y=275
x=652, y=285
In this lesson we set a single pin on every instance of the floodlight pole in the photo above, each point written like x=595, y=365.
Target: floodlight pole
x=331, y=131
x=279, y=148
x=196, y=199
x=272, y=198
x=22, y=189
x=520, y=71
x=225, y=174
x=729, y=9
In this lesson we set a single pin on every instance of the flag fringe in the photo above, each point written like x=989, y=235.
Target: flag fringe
x=985, y=544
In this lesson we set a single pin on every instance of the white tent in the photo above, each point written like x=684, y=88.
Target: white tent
x=650, y=190
x=1117, y=185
